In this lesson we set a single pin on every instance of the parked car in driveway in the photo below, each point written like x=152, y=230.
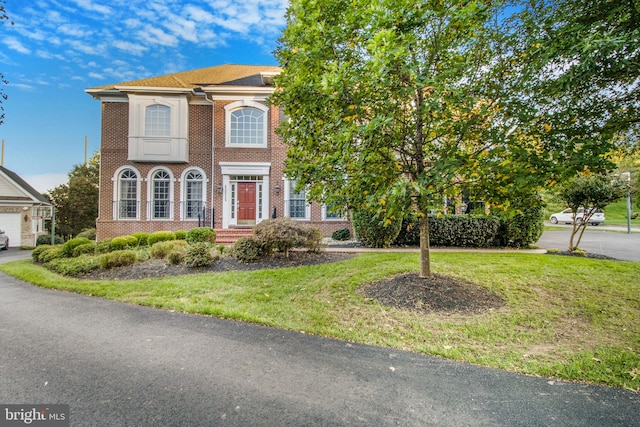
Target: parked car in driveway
x=4, y=241
x=566, y=216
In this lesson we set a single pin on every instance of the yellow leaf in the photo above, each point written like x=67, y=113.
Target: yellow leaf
x=547, y=127
x=383, y=202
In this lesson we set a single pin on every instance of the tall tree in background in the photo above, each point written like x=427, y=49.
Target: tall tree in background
x=394, y=105
x=576, y=76
x=76, y=203
x=3, y=96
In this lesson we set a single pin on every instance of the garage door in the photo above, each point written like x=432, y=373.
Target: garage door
x=10, y=223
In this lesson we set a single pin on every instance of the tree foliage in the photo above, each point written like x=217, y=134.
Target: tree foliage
x=593, y=193
x=394, y=105
x=576, y=74
x=76, y=203
x=3, y=96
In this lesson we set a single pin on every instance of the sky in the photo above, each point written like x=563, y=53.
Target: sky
x=58, y=48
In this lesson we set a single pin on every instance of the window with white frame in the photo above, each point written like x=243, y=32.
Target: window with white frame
x=246, y=123
x=161, y=195
x=157, y=120
x=296, y=205
x=331, y=211
x=127, y=202
x=193, y=194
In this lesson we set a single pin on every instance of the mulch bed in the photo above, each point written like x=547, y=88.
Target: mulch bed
x=439, y=293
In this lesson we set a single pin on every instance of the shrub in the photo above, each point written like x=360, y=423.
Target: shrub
x=74, y=266
x=176, y=256
x=181, y=235
x=247, y=249
x=373, y=230
x=467, y=231
x=103, y=246
x=35, y=254
x=117, y=259
x=54, y=252
x=342, y=234
x=68, y=247
x=162, y=249
x=198, y=255
x=201, y=234
x=409, y=234
x=524, y=228
x=142, y=237
x=124, y=242
x=89, y=233
x=283, y=234
x=46, y=240
x=87, y=248
x=160, y=236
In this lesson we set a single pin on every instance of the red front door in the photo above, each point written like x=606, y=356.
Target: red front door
x=246, y=203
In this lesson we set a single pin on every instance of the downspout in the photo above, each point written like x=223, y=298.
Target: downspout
x=213, y=165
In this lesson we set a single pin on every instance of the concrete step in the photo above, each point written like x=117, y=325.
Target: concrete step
x=231, y=235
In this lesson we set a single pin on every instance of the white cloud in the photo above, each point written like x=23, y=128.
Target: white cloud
x=45, y=182
x=133, y=48
x=15, y=44
x=155, y=36
x=92, y=7
x=21, y=86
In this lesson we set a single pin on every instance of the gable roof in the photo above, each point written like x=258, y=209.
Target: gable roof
x=31, y=193
x=220, y=75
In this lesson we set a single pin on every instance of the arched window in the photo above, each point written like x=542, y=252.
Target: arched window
x=194, y=194
x=161, y=195
x=246, y=124
x=127, y=202
x=157, y=120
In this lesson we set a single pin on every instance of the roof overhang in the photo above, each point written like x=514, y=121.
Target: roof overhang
x=224, y=93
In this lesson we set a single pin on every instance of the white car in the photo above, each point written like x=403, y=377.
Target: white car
x=4, y=241
x=566, y=216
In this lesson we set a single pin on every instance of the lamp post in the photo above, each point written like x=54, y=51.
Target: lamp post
x=626, y=176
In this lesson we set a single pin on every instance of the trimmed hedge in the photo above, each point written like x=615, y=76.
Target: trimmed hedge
x=342, y=234
x=124, y=242
x=160, y=236
x=198, y=255
x=142, y=237
x=118, y=259
x=247, y=249
x=201, y=234
x=470, y=231
x=68, y=247
x=371, y=229
x=87, y=248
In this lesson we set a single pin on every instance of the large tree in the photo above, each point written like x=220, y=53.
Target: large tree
x=577, y=76
x=76, y=203
x=394, y=105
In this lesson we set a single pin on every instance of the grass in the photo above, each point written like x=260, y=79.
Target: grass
x=568, y=318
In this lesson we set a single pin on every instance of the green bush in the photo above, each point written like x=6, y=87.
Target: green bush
x=181, y=235
x=121, y=258
x=247, y=249
x=35, y=254
x=142, y=237
x=54, y=252
x=201, y=234
x=89, y=233
x=160, y=236
x=103, y=246
x=68, y=247
x=342, y=234
x=162, y=249
x=45, y=239
x=465, y=231
x=85, y=249
x=283, y=234
x=198, y=255
x=74, y=266
x=124, y=242
x=374, y=230
x=176, y=256
x=524, y=228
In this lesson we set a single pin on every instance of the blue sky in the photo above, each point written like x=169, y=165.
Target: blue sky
x=58, y=48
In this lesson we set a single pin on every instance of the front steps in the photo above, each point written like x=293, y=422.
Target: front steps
x=229, y=236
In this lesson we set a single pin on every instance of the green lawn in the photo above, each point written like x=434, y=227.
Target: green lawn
x=565, y=317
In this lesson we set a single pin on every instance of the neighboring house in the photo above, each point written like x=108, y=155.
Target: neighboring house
x=22, y=209
x=196, y=148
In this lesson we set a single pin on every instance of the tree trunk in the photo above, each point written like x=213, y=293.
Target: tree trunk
x=425, y=259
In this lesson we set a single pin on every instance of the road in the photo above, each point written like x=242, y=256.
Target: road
x=123, y=365
x=602, y=240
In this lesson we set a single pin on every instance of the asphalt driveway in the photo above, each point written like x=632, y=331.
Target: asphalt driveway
x=124, y=365
x=601, y=240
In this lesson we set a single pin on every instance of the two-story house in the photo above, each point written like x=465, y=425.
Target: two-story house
x=196, y=148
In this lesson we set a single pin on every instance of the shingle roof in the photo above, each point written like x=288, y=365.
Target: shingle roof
x=228, y=74
x=24, y=185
